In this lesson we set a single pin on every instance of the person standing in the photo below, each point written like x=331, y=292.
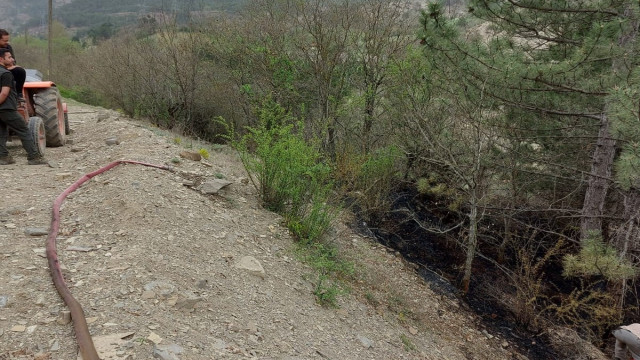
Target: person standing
x=627, y=339
x=19, y=74
x=11, y=118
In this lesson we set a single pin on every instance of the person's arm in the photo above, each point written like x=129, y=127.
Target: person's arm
x=4, y=93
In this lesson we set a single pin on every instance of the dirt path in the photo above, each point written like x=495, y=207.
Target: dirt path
x=155, y=264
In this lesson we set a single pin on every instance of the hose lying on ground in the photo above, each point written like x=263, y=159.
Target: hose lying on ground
x=87, y=348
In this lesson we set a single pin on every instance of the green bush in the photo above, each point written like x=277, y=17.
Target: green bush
x=289, y=175
x=292, y=180
x=597, y=258
x=81, y=94
x=376, y=178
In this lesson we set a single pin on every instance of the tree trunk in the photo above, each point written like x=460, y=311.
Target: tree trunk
x=596, y=194
x=604, y=154
x=369, y=109
x=472, y=242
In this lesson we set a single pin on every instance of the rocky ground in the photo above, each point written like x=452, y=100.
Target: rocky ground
x=166, y=271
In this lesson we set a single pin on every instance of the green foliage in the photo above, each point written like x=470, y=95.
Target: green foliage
x=408, y=344
x=81, y=94
x=597, y=258
x=294, y=182
x=374, y=178
x=290, y=176
x=327, y=292
x=103, y=32
x=330, y=269
x=204, y=153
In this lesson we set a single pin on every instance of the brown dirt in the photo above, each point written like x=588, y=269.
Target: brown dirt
x=145, y=227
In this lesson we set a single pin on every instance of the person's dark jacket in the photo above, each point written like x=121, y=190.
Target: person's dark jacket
x=6, y=79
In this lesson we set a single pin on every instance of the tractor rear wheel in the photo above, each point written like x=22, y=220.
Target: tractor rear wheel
x=67, y=127
x=36, y=129
x=48, y=104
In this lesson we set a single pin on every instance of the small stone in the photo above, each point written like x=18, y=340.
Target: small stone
x=40, y=300
x=154, y=338
x=55, y=346
x=4, y=300
x=252, y=327
x=412, y=330
x=160, y=288
x=191, y=155
x=112, y=141
x=31, y=329
x=505, y=344
x=211, y=187
x=365, y=342
x=19, y=328
x=102, y=117
x=64, y=317
x=10, y=226
x=40, y=252
x=251, y=265
x=202, y=284
x=64, y=175
x=36, y=231
x=167, y=352
x=219, y=344
x=148, y=294
x=188, y=300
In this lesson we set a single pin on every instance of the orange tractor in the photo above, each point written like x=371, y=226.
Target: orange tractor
x=44, y=112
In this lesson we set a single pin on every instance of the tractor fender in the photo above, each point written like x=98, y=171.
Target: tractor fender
x=39, y=84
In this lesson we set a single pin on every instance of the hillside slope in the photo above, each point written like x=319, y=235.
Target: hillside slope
x=155, y=263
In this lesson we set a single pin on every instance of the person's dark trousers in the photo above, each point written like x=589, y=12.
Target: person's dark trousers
x=13, y=120
x=20, y=76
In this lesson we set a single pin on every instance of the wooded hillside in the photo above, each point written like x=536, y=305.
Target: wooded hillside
x=497, y=143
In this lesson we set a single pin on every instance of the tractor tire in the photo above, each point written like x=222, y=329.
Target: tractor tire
x=48, y=104
x=38, y=133
x=67, y=127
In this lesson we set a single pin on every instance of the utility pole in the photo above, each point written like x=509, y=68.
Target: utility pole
x=50, y=37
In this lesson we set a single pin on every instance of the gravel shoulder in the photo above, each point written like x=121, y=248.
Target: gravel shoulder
x=158, y=265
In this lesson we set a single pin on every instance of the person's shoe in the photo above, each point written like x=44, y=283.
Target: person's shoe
x=7, y=160
x=38, y=161
x=21, y=101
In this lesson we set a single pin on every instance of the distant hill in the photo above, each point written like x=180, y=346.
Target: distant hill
x=15, y=15
x=91, y=13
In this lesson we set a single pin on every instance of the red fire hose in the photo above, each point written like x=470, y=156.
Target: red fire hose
x=87, y=348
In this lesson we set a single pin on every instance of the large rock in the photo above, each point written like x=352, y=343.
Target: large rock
x=251, y=265
x=213, y=186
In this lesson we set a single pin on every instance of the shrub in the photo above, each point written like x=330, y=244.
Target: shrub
x=371, y=177
x=597, y=258
x=289, y=175
x=204, y=153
